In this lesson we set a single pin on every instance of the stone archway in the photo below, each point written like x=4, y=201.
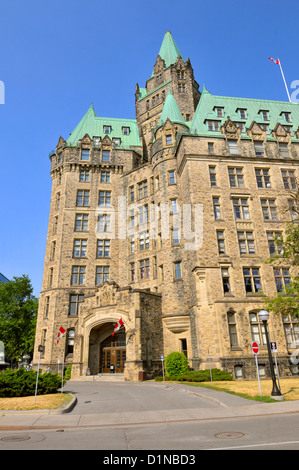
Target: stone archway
x=106, y=350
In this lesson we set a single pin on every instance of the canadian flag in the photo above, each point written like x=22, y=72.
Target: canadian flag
x=60, y=334
x=274, y=60
x=117, y=326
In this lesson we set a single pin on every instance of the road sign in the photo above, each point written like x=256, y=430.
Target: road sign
x=273, y=346
x=255, y=348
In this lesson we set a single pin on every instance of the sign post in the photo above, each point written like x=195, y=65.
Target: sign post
x=255, y=348
x=162, y=359
x=41, y=349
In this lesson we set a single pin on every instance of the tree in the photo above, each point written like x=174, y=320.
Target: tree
x=287, y=302
x=18, y=313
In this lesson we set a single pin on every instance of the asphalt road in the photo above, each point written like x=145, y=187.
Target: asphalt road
x=195, y=419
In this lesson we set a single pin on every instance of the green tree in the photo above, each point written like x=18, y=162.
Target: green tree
x=287, y=302
x=18, y=313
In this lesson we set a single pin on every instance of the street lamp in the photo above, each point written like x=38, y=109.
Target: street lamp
x=275, y=394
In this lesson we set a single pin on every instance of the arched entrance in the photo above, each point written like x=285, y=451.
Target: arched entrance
x=106, y=350
x=113, y=353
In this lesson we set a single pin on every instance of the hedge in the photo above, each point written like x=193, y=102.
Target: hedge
x=22, y=383
x=198, y=376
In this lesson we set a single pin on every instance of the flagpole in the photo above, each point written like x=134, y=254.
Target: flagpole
x=62, y=373
x=285, y=84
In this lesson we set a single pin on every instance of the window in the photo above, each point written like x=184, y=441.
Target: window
x=175, y=236
x=78, y=275
x=106, y=155
x=262, y=178
x=246, y=243
x=144, y=269
x=132, y=272
x=55, y=225
x=159, y=78
x=125, y=130
x=213, y=126
x=47, y=305
x=294, y=209
x=289, y=179
x=102, y=274
x=81, y=223
x=143, y=214
x=242, y=113
x=184, y=346
x=105, y=176
x=287, y=117
x=161, y=273
x=171, y=177
x=225, y=280
x=257, y=329
x=275, y=243
x=181, y=75
x=177, y=270
x=96, y=140
x=103, y=248
x=269, y=209
x=84, y=176
x=174, y=206
x=216, y=207
x=84, y=154
x=105, y=198
x=104, y=223
x=168, y=139
x=142, y=189
x=131, y=194
x=236, y=179
x=232, y=147
x=132, y=244
x=116, y=141
x=212, y=171
x=259, y=148
x=241, y=208
x=74, y=307
x=282, y=278
x=80, y=247
x=82, y=198
x=252, y=280
x=70, y=341
x=210, y=147
x=241, y=126
x=107, y=129
x=265, y=115
x=221, y=242
x=182, y=88
x=53, y=250
x=57, y=201
x=291, y=330
x=144, y=241
x=232, y=329
x=219, y=112
x=283, y=150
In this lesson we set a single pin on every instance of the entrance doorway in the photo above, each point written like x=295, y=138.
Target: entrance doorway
x=113, y=353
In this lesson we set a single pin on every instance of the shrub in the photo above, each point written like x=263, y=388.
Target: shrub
x=68, y=372
x=22, y=383
x=176, y=364
x=204, y=375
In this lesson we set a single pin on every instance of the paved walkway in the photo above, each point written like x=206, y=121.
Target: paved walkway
x=128, y=404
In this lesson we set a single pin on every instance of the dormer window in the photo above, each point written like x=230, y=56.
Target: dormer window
x=125, y=130
x=287, y=117
x=96, y=140
x=168, y=139
x=242, y=113
x=219, y=111
x=213, y=126
x=264, y=114
x=116, y=141
x=107, y=129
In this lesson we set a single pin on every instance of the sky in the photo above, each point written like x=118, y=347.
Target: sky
x=56, y=57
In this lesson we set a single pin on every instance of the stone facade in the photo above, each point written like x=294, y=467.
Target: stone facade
x=171, y=232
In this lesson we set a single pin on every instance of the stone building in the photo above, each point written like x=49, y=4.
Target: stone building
x=167, y=222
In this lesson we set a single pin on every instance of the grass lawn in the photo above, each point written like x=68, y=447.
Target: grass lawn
x=250, y=388
x=51, y=401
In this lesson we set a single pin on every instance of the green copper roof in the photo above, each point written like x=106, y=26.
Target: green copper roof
x=206, y=111
x=171, y=110
x=93, y=125
x=169, y=51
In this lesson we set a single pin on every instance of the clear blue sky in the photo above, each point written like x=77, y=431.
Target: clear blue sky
x=58, y=56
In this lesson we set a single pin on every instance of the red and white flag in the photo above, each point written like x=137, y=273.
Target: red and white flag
x=274, y=60
x=117, y=326
x=60, y=334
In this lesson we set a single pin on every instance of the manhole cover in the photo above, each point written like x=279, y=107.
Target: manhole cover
x=15, y=438
x=229, y=435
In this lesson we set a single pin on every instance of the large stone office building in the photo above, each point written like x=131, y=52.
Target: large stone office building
x=167, y=222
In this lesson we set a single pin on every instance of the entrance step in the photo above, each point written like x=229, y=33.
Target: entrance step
x=101, y=378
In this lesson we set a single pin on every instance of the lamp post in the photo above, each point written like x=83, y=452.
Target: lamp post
x=275, y=394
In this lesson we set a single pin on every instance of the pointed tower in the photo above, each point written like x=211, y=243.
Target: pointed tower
x=169, y=69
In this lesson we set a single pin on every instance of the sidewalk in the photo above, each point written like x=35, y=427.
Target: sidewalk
x=228, y=407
